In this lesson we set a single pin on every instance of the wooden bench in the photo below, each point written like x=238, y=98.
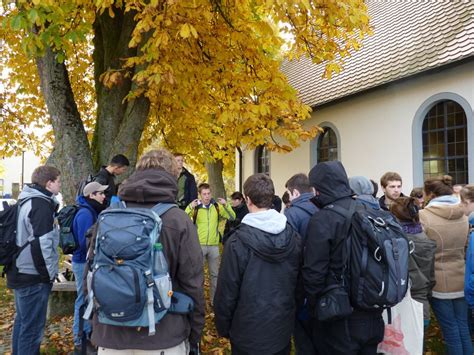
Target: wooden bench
x=63, y=295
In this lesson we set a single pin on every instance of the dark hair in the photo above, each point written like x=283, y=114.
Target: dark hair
x=44, y=173
x=285, y=197
x=204, y=186
x=376, y=188
x=237, y=195
x=178, y=154
x=299, y=182
x=120, y=160
x=439, y=186
x=417, y=192
x=405, y=209
x=389, y=176
x=259, y=188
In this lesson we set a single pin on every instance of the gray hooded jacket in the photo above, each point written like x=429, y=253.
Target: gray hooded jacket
x=38, y=261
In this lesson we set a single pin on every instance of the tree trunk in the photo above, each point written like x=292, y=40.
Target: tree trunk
x=215, y=179
x=71, y=152
x=111, y=38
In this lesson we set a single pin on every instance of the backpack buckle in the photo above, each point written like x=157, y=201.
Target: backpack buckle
x=149, y=279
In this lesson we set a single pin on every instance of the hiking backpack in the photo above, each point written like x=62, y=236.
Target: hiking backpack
x=377, y=253
x=123, y=287
x=8, y=226
x=67, y=241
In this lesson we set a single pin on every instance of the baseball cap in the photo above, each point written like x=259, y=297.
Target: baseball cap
x=92, y=187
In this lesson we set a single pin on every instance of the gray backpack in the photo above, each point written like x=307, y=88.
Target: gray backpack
x=123, y=288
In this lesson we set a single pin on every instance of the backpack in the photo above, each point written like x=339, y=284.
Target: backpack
x=377, y=254
x=123, y=287
x=8, y=226
x=67, y=241
x=196, y=210
x=469, y=272
x=83, y=183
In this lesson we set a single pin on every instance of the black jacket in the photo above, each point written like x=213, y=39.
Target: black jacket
x=190, y=189
x=240, y=212
x=325, y=233
x=255, y=297
x=103, y=177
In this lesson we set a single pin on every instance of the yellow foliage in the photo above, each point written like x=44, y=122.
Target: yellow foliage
x=210, y=69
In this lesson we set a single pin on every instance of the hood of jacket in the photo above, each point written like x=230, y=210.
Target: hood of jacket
x=446, y=211
x=304, y=201
x=149, y=186
x=361, y=185
x=34, y=190
x=82, y=202
x=268, y=235
x=330, y=181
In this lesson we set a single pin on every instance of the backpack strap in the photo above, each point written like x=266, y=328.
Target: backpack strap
x=195, y=214
x=347, y=214
x=161, y=208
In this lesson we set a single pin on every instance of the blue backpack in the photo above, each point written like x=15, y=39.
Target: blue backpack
x=469, y=273
x=123, y=287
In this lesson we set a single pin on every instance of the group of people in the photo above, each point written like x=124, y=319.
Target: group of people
x=274, y=267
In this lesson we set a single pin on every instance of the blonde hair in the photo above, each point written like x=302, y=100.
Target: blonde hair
x=467, y=193
x=159, y=158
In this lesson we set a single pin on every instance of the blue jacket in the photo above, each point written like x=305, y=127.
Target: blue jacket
x=83, y=220
x=300, y=212
x=469, y=273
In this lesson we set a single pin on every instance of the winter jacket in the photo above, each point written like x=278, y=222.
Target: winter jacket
x=190, y=190
x=85, y=217
x=363, y=188
x=300, y=212
x=325, y=233
x=183, y=253
x=103, y=177
x=254, y=304
x=240, y=212
x=421, y=269
x=38, y=261
x=207, y=221
x=445, y=223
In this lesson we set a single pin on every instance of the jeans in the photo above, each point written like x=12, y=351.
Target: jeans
x=78, y=270
x=452, y=317
x=31, y=305
x=211, y=254
x=359, y=334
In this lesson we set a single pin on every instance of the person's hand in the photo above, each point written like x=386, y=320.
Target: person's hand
x=194, y=203
x=222, y=201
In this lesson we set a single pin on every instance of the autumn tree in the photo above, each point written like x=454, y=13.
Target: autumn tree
x=202, y=76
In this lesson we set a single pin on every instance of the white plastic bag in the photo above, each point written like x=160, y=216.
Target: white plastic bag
x=405, y=335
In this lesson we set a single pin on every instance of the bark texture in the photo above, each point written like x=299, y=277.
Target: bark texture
x=71, y=152
x=214, y=173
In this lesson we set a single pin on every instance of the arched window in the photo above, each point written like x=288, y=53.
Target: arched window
x=262, y=160
x=445, y=144
x=327, y=145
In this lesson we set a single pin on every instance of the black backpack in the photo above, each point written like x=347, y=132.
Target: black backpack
x=83, y=183
x=377, y=254
x=8, y=225
x=67, y=242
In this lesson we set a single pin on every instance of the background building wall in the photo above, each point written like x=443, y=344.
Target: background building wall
x=375, y=128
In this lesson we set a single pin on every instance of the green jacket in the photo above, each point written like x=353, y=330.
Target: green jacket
x=207, y=221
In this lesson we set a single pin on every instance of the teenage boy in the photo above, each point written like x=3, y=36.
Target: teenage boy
x=91, y=203
x=187, y=190
x=205, y=214
x=391, y=183
x=32, y=273
x=255, y=299
x=106, y=175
